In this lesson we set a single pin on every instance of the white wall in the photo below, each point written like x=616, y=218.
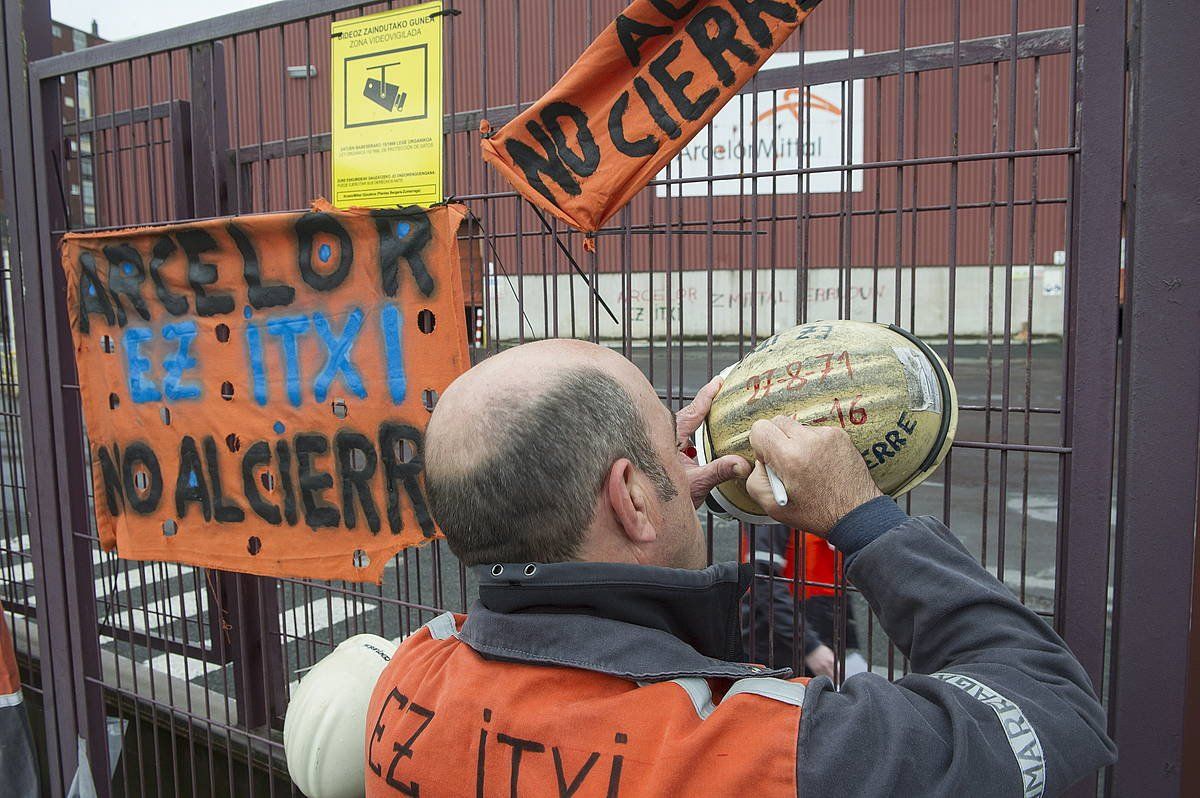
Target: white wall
x=735, y=299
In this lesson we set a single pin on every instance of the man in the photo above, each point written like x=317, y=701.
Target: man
x=18, y=759
x=769, y=609
x=603, y=659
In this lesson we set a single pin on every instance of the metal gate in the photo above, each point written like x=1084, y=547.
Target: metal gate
x=973, y=188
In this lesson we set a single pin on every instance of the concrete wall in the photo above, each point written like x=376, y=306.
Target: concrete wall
x=768, y=302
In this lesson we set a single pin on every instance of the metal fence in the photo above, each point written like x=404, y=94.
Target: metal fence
x=972, y=191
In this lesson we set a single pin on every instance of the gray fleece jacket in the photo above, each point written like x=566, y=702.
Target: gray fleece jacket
x=995, y=705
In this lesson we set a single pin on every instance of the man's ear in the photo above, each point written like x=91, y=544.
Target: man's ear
x=628, y=500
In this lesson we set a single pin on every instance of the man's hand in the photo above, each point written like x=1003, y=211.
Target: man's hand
x=821, y=661
x=823, y=473
x=702, y=479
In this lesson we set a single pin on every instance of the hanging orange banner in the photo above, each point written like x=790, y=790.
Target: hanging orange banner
x=256, y=388
x=636, y=96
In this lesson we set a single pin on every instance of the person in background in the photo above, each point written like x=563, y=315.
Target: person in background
x=769, y=618
x=18, y=760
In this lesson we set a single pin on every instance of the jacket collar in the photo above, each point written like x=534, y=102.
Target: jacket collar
x=638, y=622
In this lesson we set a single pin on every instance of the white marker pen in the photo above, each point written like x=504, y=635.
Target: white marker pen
x=777, y=489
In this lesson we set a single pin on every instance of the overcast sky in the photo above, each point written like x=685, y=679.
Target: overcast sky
x=120, y=19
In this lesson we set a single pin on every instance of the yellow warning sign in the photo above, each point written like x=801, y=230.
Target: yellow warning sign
x=387, y=108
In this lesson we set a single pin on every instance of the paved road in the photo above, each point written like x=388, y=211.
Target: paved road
x=1003, y=507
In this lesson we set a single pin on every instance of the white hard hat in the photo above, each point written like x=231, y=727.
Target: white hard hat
x=325, y=729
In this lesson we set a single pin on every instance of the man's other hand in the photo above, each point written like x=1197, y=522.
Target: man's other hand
x=821, y=661
x=702, y=479
x=823, y=473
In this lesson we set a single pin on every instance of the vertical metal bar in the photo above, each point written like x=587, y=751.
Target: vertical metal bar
x=898, y=217
x=876, y=177
x=15, y=169
x=135, y=177
x=519, y=215
x=1026, y=417
x=1159, y=417
x=1092, y=318
x=593, y=260
x=952, y=237
x=840, y=598
x=311, y=183
x=251, y=603
x=117, y=159
x=75, y=709
x=755, y=265
x=916, y=217
x=142, y=604
x=1009, y=247
x=550, y=257
x=803, y=219
x=153, y=202
x=991, y=316
x=283, y=118
x=449, y=84
x=70, y=90
x=243, y=189
x=206, y=130
x=261, y=162
x=182, y=205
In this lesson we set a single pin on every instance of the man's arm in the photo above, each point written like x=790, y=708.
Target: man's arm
x=996, y=703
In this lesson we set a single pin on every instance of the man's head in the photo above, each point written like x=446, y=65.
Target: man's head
x=559, y=450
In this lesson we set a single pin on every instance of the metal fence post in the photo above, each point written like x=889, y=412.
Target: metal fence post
x=58, y=520
x=1092, y=327
x=15, y=136
x=180, y=116
x=243, y=609
x=1160, y=415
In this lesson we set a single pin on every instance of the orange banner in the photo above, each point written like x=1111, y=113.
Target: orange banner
x=636, y=96
x=256, y=388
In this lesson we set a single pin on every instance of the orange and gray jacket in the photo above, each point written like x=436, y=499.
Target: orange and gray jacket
x=594, y=679
x=18, y=763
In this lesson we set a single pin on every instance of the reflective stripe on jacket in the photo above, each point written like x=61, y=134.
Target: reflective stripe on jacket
x=607, y=680
x=453, y=723
x=18, y=762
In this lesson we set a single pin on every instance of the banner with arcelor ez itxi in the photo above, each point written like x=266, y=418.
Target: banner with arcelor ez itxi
x=256, y=388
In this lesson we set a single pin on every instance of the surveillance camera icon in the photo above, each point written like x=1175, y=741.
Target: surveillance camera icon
x=386, y=95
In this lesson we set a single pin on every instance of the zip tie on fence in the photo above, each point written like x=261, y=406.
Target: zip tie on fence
x=446, y=12
x=485, y=129
x=578, y=270
x=221, y=613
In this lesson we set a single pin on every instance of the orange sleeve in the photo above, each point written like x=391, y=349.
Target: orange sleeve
x=10, y=677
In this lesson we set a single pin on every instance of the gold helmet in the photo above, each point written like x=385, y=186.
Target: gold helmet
x=880, y=383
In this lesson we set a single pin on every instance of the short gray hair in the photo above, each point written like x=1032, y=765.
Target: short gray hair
x=533, y=498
